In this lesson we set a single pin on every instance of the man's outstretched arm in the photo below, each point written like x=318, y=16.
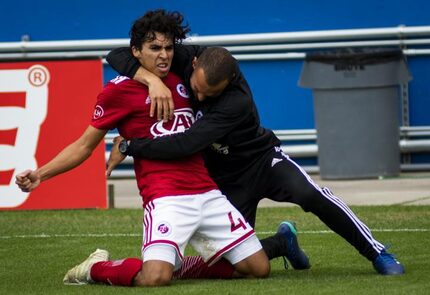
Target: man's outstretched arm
x=208, y=129
x=70, y=157
x=122, y=60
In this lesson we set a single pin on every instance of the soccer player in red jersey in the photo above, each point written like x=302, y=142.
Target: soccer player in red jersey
x=181, y=202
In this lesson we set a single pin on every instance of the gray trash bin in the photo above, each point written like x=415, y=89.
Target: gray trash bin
x=357, y=110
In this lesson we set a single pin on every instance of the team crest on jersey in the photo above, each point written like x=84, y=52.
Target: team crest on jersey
x=164, y=229
x=182, y=90
x=183, y=119
x=98, y=112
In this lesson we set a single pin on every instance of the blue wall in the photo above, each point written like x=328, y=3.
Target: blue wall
x=282, y=104
x=83, y=19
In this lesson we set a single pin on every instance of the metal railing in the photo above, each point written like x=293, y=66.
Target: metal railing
x=261, y=46
x=412, y=140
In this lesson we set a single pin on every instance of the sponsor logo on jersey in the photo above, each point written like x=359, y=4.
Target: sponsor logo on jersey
x=98, y=112
x=220, y=149
x=182, y=90
x=164, y=229
x=182, y=120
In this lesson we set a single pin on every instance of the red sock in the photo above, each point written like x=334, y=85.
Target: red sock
x=193, y=267
x=116, y=272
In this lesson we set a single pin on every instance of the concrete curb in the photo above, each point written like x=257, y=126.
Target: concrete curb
x=407, y=189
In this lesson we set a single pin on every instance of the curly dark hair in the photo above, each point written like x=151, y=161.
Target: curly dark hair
x=160, y=21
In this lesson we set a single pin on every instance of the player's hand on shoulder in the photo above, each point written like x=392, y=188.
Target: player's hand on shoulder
x=115, y=157
x=27, y=180
x=161, y=100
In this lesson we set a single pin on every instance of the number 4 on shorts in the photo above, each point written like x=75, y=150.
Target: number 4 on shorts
x=234, y=226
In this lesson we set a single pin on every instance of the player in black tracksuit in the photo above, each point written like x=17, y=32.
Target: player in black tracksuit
x=245, y=159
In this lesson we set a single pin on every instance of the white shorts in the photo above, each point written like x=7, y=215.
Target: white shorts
x=208, y=221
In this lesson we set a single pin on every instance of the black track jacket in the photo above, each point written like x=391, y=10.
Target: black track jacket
x=227, y=129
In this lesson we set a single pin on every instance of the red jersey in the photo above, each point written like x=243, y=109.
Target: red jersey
x=124, y=104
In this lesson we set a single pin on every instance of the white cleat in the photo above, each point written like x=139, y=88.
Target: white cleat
x=80, y=274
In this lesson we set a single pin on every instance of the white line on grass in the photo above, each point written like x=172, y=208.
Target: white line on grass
x=89, y=235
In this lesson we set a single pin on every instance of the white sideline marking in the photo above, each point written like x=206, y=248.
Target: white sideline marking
x=372, y=230
x=139, y=235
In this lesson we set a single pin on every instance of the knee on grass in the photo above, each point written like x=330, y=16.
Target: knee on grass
x=260, y=272
x=255, y=266
x=154, y=274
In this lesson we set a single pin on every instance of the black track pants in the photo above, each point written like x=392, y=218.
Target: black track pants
x=277, y=177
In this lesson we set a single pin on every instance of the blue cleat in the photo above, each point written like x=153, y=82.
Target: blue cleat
x=294, y=254
x=386, y=264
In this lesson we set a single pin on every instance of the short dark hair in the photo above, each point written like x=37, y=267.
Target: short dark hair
x=160, y=21
x=218, y=65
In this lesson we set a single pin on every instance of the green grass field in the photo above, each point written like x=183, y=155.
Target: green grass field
x=38, y=247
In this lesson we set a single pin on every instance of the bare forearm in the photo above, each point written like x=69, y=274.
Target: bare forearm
x=144, y=76
x=71, y=157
